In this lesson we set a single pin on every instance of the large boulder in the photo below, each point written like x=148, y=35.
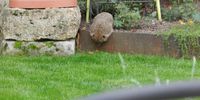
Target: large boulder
x=41, y=24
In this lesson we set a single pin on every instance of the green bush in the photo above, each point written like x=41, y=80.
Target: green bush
x=96, y=7
x=187, y=10
x=82, y=5
x=183, y=11
x=126, y=18
x=171, y=15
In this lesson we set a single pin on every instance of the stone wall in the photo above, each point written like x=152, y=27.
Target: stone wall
x=39, y=31
x=59, y=48
x=37, y=24
x=3, y=5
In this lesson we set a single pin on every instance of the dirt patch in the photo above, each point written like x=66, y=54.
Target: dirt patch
x=157, y=27
x=153, y=27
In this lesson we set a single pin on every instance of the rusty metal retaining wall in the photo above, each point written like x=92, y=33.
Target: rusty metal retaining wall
x=135, y=43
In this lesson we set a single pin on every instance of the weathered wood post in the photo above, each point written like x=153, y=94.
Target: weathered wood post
x=88, y=11
x=158, y=10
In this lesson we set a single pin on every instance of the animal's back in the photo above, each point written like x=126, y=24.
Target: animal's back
x=102, y=27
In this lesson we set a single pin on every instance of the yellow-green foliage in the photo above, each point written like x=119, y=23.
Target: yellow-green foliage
x=32, y=46
x=186, y=35
x=49, y=44
x=185, y=30
x=18, y=44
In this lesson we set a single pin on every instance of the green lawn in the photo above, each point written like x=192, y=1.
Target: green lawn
x=65, y=78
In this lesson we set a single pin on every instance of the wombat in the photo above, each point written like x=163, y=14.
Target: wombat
x=102, y=27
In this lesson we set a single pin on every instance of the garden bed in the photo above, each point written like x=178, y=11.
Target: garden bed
x=156, y=27
x=138, y=31
x=178, y=41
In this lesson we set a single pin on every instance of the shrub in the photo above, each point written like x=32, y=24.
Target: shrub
x=183, y=11
x=82, y=5
x=96, y=7
x=172, y=14
x=126, y=18
x=187, y=10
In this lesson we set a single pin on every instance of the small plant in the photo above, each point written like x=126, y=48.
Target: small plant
x=18, y=45
x=187, y=10
x=196, y=17
x=32, y=47
x=187, y=37
x=82, y=5
x=172, y=14
x=49, y=44
x=126, y=18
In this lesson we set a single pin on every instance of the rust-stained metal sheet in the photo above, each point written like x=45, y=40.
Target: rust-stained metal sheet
x=134, y=43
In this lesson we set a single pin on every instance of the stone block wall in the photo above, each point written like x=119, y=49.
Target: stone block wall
x=49, y=31
x=3, y=4
x=60, y=48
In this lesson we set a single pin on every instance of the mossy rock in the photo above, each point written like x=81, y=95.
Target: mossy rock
x=39, y=48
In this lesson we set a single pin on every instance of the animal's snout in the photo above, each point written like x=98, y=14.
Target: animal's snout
x=99, y=38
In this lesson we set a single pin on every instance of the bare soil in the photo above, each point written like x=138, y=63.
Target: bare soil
x=157, y=27
x=152, y=28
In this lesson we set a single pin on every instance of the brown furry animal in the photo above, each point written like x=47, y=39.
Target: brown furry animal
x=102, y=27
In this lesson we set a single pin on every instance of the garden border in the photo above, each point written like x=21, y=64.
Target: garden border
x=136, y=43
